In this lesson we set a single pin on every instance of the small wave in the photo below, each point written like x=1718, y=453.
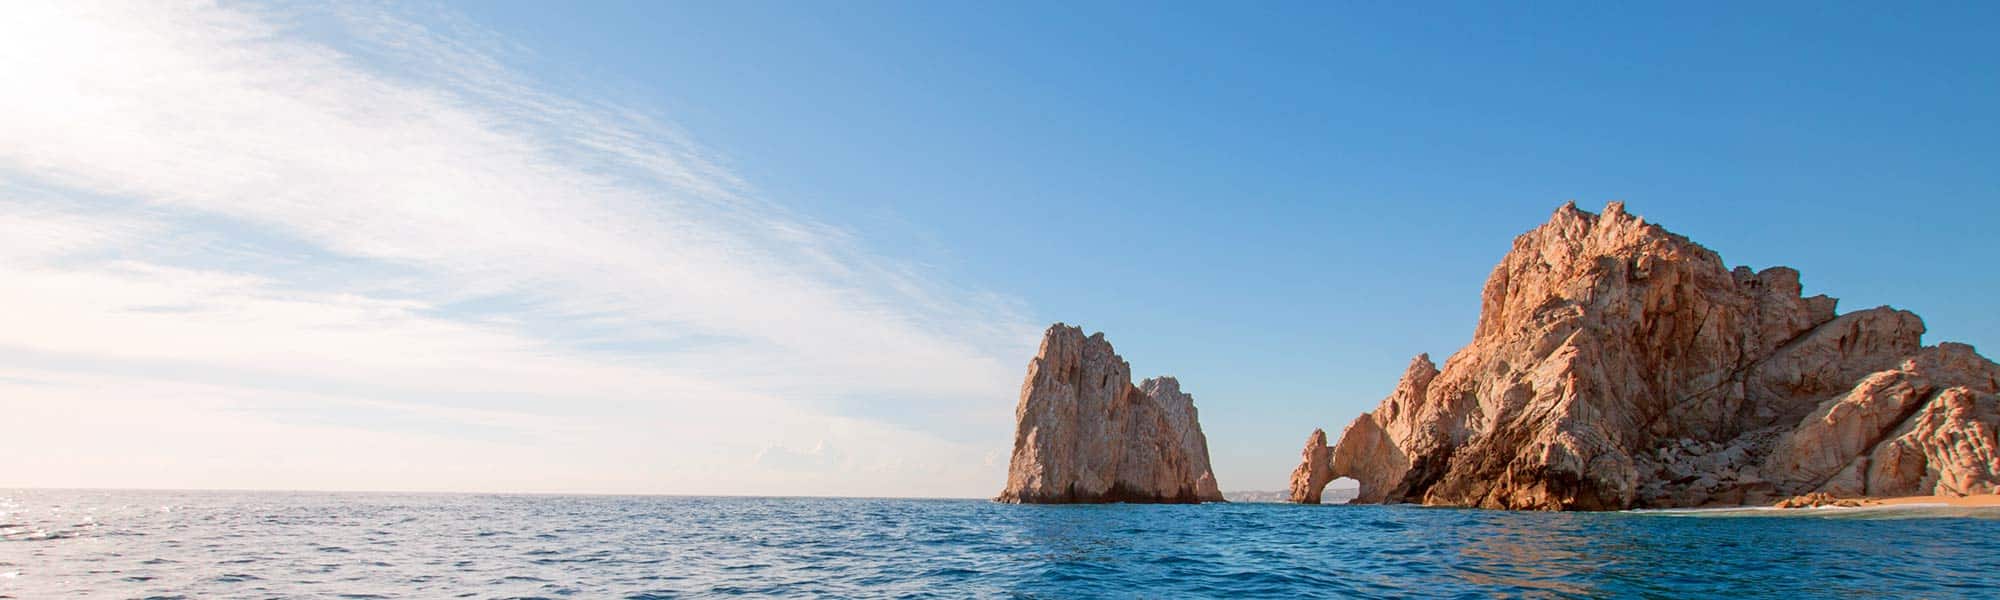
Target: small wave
x=1873, y=511
x=36, y=535
x=890, y=548
x=1713, y=510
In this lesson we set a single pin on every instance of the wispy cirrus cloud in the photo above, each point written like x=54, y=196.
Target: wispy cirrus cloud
x=206, y=202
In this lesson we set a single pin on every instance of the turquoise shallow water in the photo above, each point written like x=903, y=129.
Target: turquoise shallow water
x=62, y=544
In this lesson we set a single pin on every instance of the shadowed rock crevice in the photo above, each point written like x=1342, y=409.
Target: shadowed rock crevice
x=1618, y=365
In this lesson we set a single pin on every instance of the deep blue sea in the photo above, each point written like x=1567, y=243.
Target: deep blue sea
x=132, y=544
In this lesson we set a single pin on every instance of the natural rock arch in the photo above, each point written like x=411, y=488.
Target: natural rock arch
x=1320, y=468
x=1619, y=365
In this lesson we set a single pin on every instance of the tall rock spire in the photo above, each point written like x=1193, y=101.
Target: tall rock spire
x=1085, y=434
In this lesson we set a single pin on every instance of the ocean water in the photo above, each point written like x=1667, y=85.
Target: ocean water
x=131, y=544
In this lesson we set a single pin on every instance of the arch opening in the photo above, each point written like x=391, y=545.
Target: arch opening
x=1340, y=491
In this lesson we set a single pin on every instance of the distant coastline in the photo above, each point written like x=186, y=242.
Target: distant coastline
x=1333, y=495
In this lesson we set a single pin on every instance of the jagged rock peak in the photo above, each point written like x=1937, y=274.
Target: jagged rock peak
x=1616, y=364
x=1085, y=434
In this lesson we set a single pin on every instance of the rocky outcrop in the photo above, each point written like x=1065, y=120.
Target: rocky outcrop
x=1315, y=469
x=1085, y=434
x=1618, y=365
x=1924, y=427
x=1817, y=500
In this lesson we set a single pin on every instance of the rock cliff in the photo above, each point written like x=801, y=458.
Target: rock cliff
x=1618, y=365
x=1085, y=434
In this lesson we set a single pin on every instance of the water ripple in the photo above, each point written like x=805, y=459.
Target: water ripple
x=124, y=544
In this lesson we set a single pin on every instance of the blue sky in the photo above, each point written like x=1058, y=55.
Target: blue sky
x=806, y=247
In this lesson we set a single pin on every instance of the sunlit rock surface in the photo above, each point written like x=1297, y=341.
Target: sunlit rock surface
x=1085, y=434
x=1618, y=365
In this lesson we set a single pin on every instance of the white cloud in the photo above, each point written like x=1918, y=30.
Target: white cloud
x=214, y=220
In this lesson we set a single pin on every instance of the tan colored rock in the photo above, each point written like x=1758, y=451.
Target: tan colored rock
x=1371, y=453
x=1618, y=365
x=1948, y=449
x=1084, y=434
x=1315, y=469
x=1925, y=427
x=1182, y=418
x=1816, y=500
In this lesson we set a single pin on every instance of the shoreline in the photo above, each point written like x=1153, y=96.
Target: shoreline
x=1901, y=505
x=1825, y=500
x=1973, y=501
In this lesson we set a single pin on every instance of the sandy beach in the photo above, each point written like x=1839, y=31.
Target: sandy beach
x=1976, y=501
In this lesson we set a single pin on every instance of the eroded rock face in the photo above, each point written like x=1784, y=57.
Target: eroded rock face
x=1085, y=434
x=1618, y=365
x=1315, y=469
x=1926, y=426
